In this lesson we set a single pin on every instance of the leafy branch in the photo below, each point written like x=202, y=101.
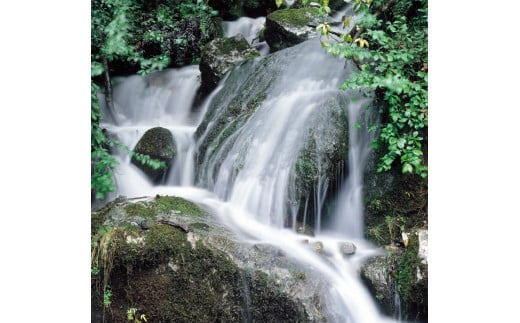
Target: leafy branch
x=389, y=46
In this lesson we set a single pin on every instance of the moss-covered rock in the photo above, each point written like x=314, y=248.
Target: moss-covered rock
x=218, y=56
x=158, y=144
x=323, y=154
x=288, y=27
x=202, y=275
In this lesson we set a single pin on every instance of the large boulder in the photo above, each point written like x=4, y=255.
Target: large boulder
x=218, y=56
x=158, y=144
x=288, y=27
x=266, y=82
x=170, y=260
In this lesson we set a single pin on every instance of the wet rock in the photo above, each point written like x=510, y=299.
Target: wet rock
x=288, y=27
x=347, y=248
x=159, y=145
x=379, y=274
x=400, y=277
x=318, y=246
x=305, y=229
x=218, y=56
x=171, y=275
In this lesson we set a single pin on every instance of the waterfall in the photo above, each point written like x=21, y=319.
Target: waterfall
x=242, y=154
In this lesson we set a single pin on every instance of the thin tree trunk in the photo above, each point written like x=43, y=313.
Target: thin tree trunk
x=108, y=87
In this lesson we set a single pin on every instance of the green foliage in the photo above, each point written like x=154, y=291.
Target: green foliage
x=106, y=296
x=391, y=48
x=133, y=316
x=117, y=28
x=102, y=162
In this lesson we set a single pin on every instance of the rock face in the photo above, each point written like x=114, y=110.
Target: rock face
x=379, y=273
x=399, y=279
x=158, y=144
x=250, y=85
x=182, y=266
x=288, y=27
x=218, y=56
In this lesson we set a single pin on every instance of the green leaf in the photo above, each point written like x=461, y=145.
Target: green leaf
x=401, y=142
x=407, y=168
x=279, y=3
x=96, y=68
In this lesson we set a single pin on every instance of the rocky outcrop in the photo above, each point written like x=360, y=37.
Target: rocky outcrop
x=399, y=279
x=169, y=259
x=158, y=144
x=218, y=56
x=288, y=27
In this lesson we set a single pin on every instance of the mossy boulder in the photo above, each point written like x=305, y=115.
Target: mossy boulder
x=260, y=83
x=159, y=145
x=218, y=56
x=288, y=27
x=193, y=271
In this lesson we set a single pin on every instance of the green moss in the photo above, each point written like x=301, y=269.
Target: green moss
x=306, y=168
x=296, y=17
x=167, y=204
x=162, y=240
x=413, y=293
x=142, y=209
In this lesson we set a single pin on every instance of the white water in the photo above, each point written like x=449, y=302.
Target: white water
x=252, y=199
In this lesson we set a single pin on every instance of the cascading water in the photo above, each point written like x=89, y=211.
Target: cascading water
x=247, y=166
x=250, y=28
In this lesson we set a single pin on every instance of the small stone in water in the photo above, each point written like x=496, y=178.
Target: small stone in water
x=347, y=248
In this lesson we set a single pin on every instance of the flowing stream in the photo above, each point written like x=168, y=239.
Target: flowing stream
x=248, y=177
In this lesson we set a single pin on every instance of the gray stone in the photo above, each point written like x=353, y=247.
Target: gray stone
x=218, y=56
x=347, y=248
x=288, y=27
